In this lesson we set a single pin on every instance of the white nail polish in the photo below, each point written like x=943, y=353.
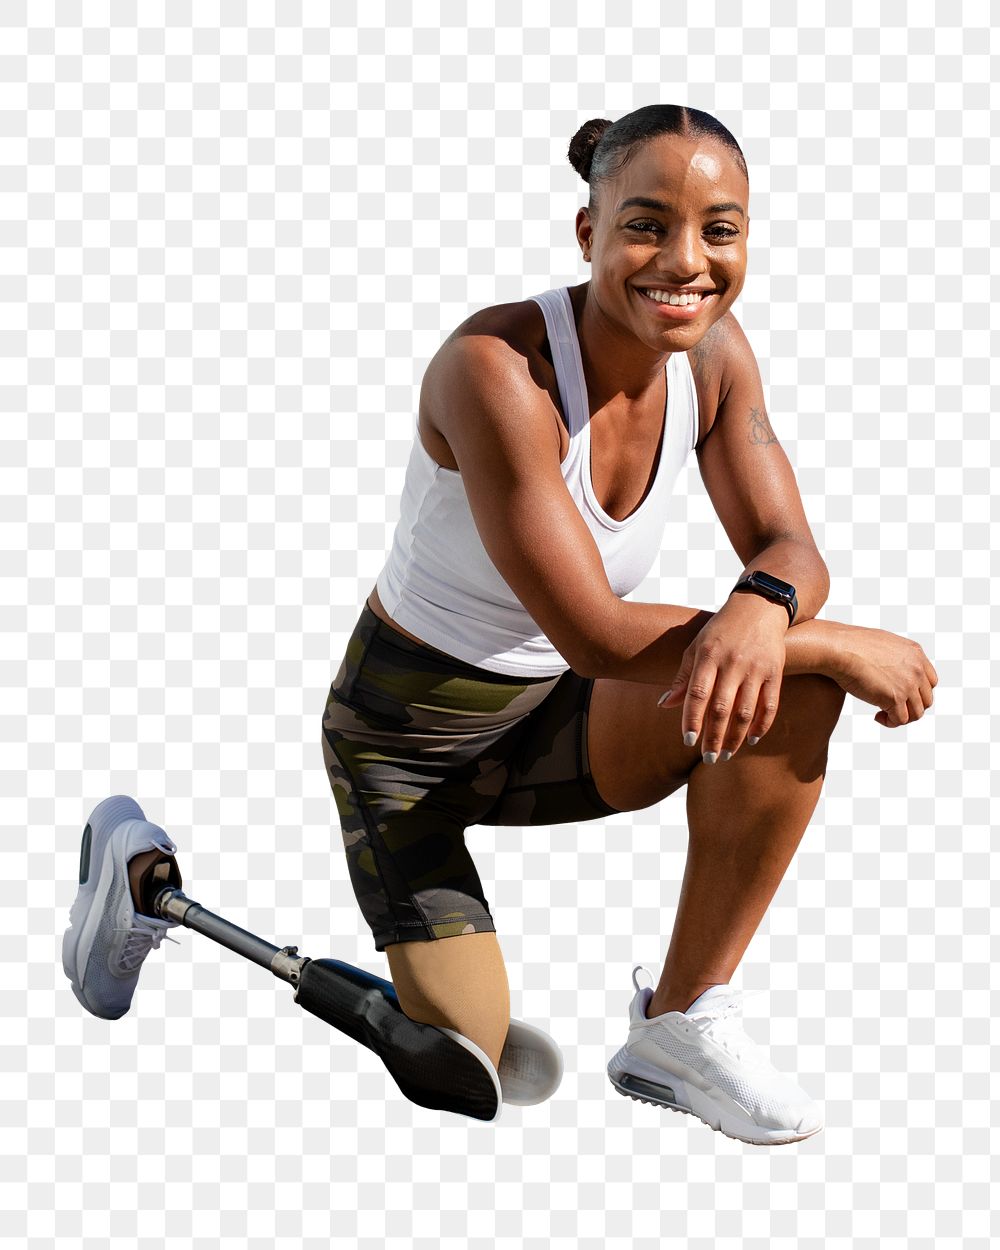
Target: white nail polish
x=753, y=741
x=690, y=738
x=709, y=757
x=726, y=755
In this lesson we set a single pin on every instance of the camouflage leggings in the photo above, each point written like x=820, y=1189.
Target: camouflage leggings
x=418, y=746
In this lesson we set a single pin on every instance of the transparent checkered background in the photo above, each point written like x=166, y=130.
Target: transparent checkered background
x=231, y=238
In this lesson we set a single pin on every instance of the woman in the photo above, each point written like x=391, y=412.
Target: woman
x=496, y=676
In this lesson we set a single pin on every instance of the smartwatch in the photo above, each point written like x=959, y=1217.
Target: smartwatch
x=772, y=588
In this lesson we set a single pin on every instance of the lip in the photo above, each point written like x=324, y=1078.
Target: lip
x=676, y=312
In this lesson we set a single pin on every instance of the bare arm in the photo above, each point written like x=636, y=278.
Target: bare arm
x=645, y=641
x=501, y=428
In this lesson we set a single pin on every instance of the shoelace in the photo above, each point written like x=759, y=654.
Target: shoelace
x=145, y=935
x=722, y=1021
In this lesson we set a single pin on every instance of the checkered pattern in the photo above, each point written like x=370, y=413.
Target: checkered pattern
x=231, y=238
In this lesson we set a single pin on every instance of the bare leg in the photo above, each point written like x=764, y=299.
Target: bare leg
x=746, y=818
x=456, y=982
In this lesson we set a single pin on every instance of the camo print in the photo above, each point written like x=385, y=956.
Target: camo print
x=418, y=746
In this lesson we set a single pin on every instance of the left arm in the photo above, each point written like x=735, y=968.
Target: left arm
x=751, y=484
x=741, y=652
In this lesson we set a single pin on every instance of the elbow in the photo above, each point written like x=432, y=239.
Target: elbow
x=813, y=597
x=589, y=666
x=825, y=584
x=595, y=649
x=582, y=656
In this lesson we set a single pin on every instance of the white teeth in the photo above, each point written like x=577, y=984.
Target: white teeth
x=664, y=297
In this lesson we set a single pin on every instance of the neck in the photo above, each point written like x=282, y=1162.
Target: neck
x=621, y=371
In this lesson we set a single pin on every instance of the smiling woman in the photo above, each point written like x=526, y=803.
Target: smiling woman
x=498, y=676
x=667, y=218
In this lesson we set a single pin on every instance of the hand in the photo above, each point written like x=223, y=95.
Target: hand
x=730, y=674
x=891, y=672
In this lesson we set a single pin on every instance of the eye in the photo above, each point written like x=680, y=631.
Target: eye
x=651, y=227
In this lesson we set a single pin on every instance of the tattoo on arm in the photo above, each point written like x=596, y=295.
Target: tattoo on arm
x=760, y=428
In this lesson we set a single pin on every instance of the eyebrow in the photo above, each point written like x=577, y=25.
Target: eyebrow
x=641, y=201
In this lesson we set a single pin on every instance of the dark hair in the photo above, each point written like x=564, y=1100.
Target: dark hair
x=601, y=149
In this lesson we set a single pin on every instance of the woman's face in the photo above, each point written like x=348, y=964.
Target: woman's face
x=690, y=232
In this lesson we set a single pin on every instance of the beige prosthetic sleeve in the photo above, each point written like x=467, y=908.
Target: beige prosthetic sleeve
x=457, y=982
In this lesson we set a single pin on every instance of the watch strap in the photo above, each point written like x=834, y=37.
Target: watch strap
x=747, y=584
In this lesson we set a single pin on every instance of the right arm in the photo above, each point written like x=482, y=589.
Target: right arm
x=501, y=428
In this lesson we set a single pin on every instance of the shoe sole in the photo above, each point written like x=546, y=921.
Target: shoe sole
x=531, y=1065
x=641, y=1089
x=88, y=905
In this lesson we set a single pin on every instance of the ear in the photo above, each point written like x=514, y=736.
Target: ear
x=584, y=230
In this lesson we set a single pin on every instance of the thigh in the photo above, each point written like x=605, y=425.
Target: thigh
x=637, y=753
x=636, y=749
x=416, y=748
x=549, y=781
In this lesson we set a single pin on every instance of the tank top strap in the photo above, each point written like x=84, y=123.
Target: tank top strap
x=557, y=310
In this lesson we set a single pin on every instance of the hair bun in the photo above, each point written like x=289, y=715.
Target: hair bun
x=583, y=143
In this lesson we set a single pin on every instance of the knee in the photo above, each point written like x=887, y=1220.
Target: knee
x=817, y=701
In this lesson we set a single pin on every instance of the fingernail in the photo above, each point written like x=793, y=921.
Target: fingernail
x=726, y=755
x=709, y=757
x=690, y=738
x=663, y=698
x=753, y=741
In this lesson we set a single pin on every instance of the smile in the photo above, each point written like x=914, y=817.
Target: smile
x=677, y=312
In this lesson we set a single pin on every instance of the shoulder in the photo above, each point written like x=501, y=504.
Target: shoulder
x=503, y=347
x=713, y=361
x=505, y=330
x=506, y=342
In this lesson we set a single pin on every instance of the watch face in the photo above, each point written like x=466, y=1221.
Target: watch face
x=773, y=583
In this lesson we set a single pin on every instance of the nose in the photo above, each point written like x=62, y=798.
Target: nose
x=681, y=257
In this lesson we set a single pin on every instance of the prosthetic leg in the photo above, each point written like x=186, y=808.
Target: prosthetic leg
x=434, y=1067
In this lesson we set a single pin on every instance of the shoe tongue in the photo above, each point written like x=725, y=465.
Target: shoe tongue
x=143, y=836
x=710, y=995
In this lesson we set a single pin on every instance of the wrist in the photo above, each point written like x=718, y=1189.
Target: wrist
x=760, y=608
x=772, y=589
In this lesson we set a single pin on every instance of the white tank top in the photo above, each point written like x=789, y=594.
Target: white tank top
x=439, y=582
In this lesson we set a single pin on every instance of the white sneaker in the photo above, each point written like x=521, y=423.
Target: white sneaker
x=107, y=941
x=700, y=1061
